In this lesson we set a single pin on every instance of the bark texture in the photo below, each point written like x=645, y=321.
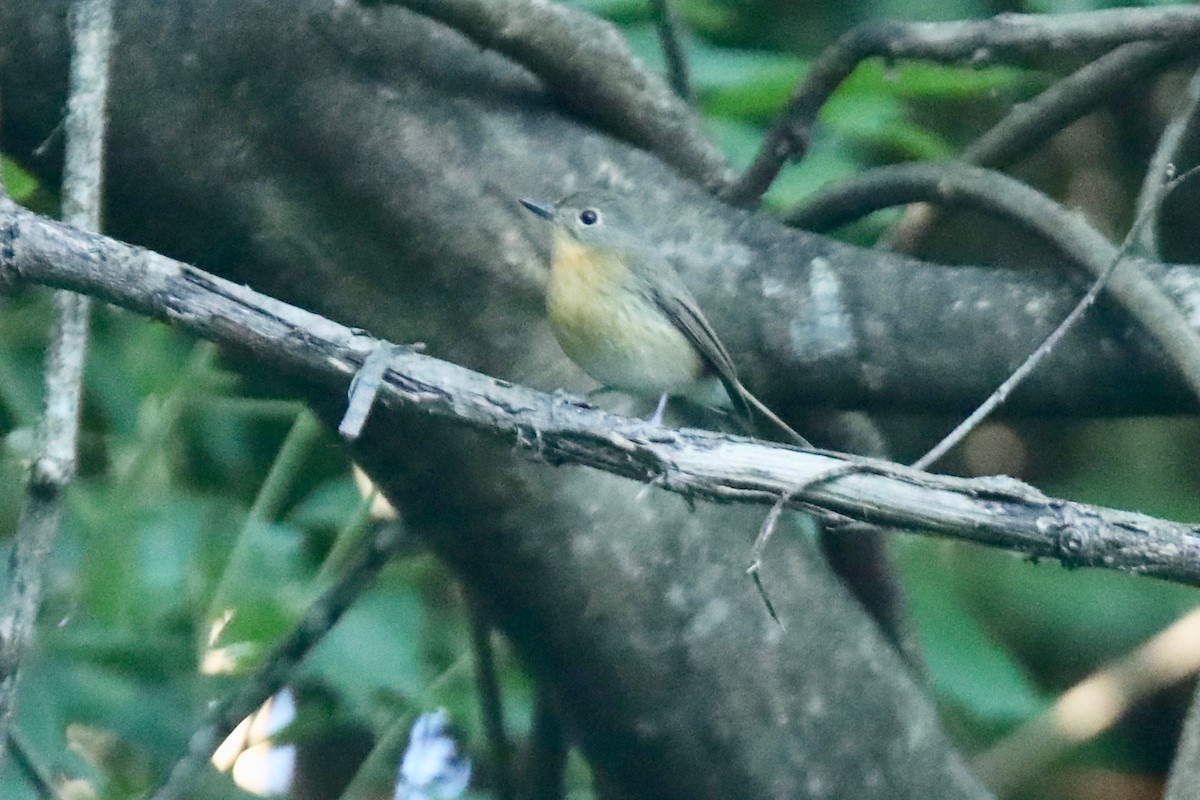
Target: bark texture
x=365, y=164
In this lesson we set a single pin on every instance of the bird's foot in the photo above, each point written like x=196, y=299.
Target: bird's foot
x=656, y=418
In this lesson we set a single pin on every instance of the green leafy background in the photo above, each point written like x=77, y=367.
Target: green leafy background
x=160, y=538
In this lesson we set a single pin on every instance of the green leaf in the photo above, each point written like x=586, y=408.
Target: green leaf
x=917, y=80
x=374, y=651
x=968, y=667
x=19, y=184
x=330, y=505
x=614, y=10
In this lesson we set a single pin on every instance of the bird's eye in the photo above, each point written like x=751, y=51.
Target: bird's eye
x=589, y=216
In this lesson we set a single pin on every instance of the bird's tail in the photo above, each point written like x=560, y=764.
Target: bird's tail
x=753, y=402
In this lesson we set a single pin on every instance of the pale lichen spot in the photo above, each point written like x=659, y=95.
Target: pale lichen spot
x=823, y=328
x=710, y=618
x=1184, y=289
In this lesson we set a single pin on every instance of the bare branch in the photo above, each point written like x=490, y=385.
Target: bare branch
x=1162, y=167
x=588, y=65
x=560, y=430
x=953, y=184
x=667, y=23
x=320, y=617
x=53, y=466
x=960, y=432
x=1030, y=124
x=1005, y=37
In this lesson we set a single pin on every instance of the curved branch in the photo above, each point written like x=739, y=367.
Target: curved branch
x=956, y=185
x=588, y=65
x=1004, y=37
x=667, y=23
x=1162, y=165
x=559, y=430
x=1030, y=124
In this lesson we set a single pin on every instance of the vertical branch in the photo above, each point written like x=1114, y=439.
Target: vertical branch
x=3, y=191
x=491, y=706
x=83, y=177
x=1163, y=167
x=53, y=465
x=547, y=764
x=667, y=24
x=1184, y=778
x=362, y=567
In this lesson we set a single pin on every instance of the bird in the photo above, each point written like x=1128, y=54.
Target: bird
x=622, y=313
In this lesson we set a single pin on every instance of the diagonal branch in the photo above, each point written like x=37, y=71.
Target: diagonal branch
x=955, y=184
x=560, y=430
x=1002, y=38
x=1030, y=124
x=588, y=65
x=667, y=23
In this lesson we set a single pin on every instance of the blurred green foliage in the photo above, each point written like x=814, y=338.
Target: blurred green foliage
x=161, y=542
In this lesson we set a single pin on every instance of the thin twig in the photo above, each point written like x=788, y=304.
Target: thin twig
x=1093, y=706
x=666, y=21
x=1039, y=354
x=547, y=764
x=491, y=705
x=984, y=410
x=772, y=520
x=1030, y=124
x=1152, y=194
x=760, y=544
x=361, y=570
x=959, y=185
x=1160, y=189
x=1007, y=37
x=53, y=466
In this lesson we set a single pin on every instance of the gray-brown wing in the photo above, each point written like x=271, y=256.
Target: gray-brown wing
x=670, y=295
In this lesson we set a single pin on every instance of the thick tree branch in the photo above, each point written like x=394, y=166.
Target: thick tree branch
x=364, y=165
x=696, y=464
x=588, y=65
x=809, y=322
x=955, y=185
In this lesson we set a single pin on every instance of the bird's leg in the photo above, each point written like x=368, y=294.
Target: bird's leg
x=657, y=417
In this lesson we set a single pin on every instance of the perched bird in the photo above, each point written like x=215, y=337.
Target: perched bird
x=623, y=314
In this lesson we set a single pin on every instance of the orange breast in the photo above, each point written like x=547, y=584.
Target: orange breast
x=615, y=334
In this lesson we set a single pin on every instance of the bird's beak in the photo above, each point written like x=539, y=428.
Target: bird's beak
x=543, y=210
